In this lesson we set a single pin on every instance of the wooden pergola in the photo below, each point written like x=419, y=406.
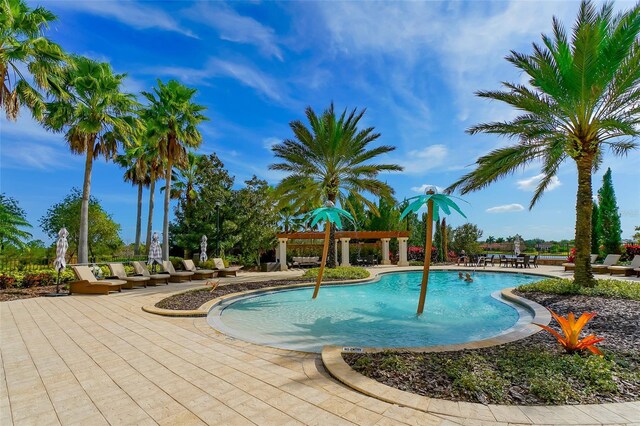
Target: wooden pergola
x=344, y=237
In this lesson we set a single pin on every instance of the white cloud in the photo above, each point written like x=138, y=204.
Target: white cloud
x=420, y=161
x=422, y=188
x=236, y=28
x=215, y=67
x=507, y=208
x=269, y=142
x=130, y=13
x=530, y=184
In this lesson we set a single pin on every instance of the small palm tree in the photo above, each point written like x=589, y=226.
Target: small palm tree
x=12, y=218
x=330, y=161
x=583, y=96
x=22, y=44
x=184, y=180
x=172, y=119
x=96, y=117
x=135, y=163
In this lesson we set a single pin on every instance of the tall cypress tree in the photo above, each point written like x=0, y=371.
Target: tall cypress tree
x=437, y=241
x=608, y=217
x=595, y=229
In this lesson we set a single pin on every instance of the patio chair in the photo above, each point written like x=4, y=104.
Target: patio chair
x=504, y=260
x=88, y=284
x=522, y=261
x=198, y=274
x=117, y=270
x=569, y=266
x=626, y=269
x=176, y=277
x=154, y=279
x=610, y=260
x=535, y=261
x=224, y=271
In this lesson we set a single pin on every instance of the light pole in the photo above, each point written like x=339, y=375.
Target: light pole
x=218, y=204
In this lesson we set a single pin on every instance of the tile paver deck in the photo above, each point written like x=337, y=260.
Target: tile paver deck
x=95, y=360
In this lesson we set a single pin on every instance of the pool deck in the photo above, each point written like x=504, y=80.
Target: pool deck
x=95, y=360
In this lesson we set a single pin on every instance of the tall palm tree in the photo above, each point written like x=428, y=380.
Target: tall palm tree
x=583, y=97
x=12, y=218
x=173, y=118
x=135, y=163
x=22, y=44
x=155, y=166
x=330, y=161
x=96, y=117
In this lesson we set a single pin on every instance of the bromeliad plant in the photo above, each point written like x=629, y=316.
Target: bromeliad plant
x=571, y=328
x=328, y=214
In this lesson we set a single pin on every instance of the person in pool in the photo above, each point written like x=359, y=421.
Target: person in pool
x=460, y=275
x=468, y=278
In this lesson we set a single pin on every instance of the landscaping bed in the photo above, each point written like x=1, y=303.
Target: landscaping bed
x=531, y=371
x=193, y=299
x=15, y=293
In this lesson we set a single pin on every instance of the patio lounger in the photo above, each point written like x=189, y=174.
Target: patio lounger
x=154, y=279
x=117, y=269
x=176, y=277
x=224, y=272
x=610, y=260
x=626, y=269
x=88, y=284
x=198, y=274
x=637, y=271
x=569, y=266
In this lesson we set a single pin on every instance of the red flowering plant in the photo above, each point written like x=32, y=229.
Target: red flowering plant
x=631, y=250
x=572, y=256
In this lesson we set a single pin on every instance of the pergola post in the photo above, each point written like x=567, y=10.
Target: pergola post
x=282, y=253
x=385, y=251
x=345, y=251
x=402, y=251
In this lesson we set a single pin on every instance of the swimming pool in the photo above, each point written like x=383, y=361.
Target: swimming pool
x=378, y=314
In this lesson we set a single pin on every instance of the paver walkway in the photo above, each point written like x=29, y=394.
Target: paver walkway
x=95, y=360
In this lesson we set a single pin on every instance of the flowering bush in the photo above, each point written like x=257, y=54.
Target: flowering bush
x=631, y=250
x=6, y=281
x=38, y=280
x=572, y=256
x=417, y=253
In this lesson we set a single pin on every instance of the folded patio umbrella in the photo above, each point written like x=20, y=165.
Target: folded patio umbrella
x=155, y=253
x=60, y=263
x=203, y=249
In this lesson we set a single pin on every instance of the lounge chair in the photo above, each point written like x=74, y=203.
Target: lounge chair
x=117, y=270
x=610, y=260
x=626, y=269
x=89, y=284
x=198, y=274
x=569, y=266
x=176, y=277
x=224, y=272
x=154, y=279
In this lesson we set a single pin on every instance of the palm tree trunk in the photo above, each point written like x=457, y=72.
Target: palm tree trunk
x=83, y=235
x=427, y=258
x=584, y=204
x=331, y=261
x=165, y=222
x=325, y=249
x=152, y=191
x=136, y=247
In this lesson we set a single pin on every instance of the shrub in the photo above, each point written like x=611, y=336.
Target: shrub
x=572, y=256
x=631, y=250
x=177, y=262
x=604, y=288
x=40, y=279
x=6, y=281
x=340, y=272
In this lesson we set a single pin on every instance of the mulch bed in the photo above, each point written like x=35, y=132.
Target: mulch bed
x=432, y=374
x=27, y=293
x=192, y=300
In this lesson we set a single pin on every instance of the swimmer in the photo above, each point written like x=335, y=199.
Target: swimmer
x=468, y=278
x=460, y=275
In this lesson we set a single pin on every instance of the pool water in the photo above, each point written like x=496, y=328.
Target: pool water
x=380, y=314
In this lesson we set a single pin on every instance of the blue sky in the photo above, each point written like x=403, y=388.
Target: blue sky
x=257, y=65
